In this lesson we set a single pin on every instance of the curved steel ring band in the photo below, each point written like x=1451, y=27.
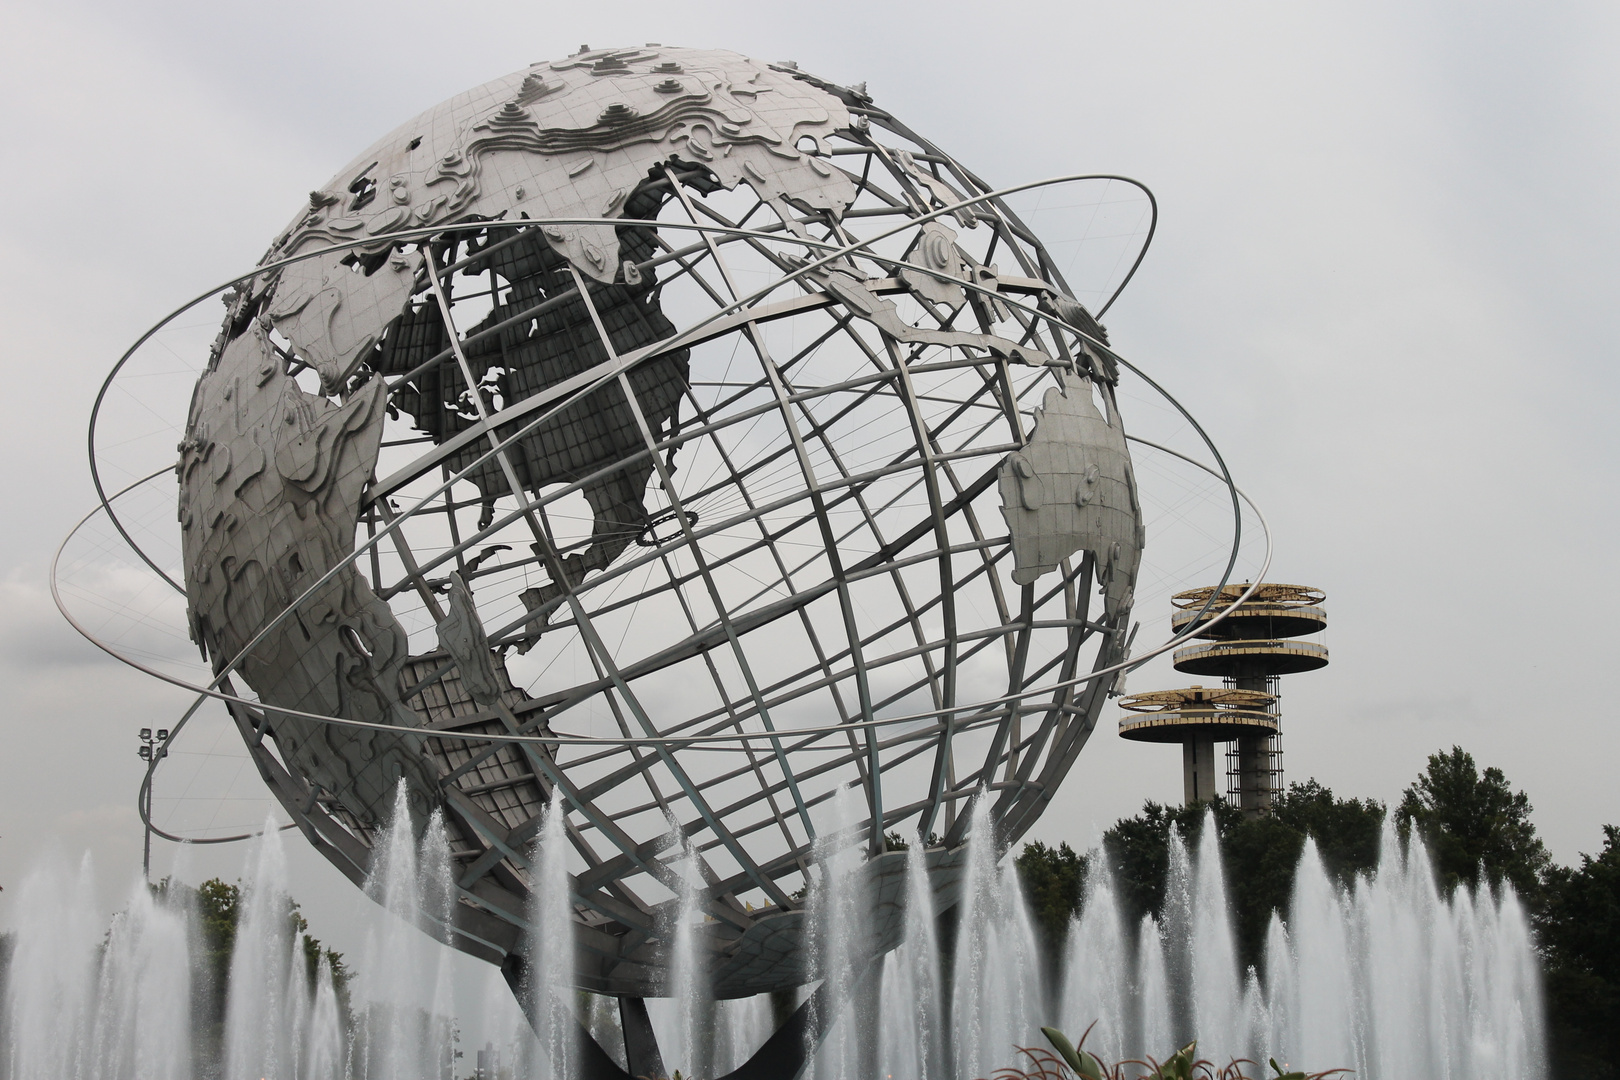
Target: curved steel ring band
x=206, y=693
x=425, y=231
x=833, y=252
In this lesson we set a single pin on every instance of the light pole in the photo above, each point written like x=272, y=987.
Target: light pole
x=151, y=751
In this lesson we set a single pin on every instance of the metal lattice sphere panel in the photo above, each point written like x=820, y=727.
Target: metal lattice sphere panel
x=696, y=416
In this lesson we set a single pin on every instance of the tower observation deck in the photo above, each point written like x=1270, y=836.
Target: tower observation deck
x=1249, y=650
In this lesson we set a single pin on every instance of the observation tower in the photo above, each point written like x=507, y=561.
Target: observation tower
x=1250, y=650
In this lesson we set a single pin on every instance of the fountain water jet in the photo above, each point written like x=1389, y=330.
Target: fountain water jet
x=143, y=1015
x=263, y=1002
x=551, y=940
x=1096, y=969
x=88, y=1002
x=997, y=1001
x=1320, y=969
x=742, y=1025
x=402, y=1028
x=1216, y=986
x=1155, y=1029
x=1394, y=978
x=912, y=993
x=324, y=1054
x=1388, y=975
x=437, y=885
x=840, y=932
x=691, y=1049
x=1176, y=931
x=602, y=1021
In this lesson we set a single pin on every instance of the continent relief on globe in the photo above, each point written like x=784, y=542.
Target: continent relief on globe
x=270, y=485
x=1071, y=488
x=272, y=476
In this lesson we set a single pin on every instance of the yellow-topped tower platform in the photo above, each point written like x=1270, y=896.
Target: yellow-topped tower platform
x=1197, y=718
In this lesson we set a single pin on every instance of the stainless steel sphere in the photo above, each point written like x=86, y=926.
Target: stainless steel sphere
x=696, y=421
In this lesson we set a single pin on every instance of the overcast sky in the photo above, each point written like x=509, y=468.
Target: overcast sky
x=1385, y=279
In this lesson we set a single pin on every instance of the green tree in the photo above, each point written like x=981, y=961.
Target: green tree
x=219, y=906
x=1473, y=821
x=1262, y=853
x=1579, y=933
x=1259, y=854
x=1054, y=879
x=1347, y=831
x=1138, y=850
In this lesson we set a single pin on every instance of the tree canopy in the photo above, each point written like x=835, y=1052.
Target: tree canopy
x=1259, y=854
x=1054, y=880
x=1579, y=932
x=219, y=910
x=1473, y=821
x=1478, y=831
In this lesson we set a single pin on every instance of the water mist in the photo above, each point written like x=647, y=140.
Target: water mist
x=551, y=940
x=996, y=995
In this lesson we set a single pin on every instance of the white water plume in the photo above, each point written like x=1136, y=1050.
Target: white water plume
x=1384, y=974
x=263, y=1003
x=840, y=931
x=93, y=1003
x=996, y=996
x=911, y=1029
x=324, y=1048
x=1156, y=1027
x=402, y=1028
x=1216, y=981
x=1389, y=977
x=741, y=1027
x=142, y=1026
x=692, y=1011
x=551, y=940
x=1096, y=985
x=1315, y=988
x=601, y=1019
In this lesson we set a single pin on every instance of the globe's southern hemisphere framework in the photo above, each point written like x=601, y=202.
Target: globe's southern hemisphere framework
x=695, y=419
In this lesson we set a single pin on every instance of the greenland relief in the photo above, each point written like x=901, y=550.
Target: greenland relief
x=1071, y=489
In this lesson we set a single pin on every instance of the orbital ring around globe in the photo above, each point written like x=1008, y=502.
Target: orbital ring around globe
x=212, y=692
x=831, y=252
x=889, y=599
x=205, y=693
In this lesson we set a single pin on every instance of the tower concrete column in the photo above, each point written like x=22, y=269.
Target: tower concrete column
x=1200, y=779
x=1255, y=753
